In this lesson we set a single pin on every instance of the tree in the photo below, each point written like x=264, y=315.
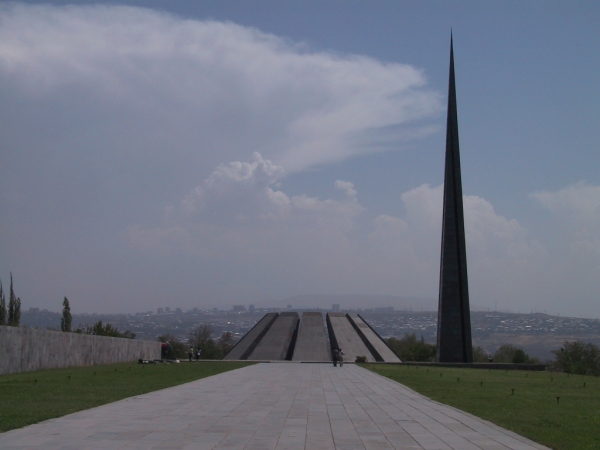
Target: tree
x=480, y=355
x=98, y=329
x=578, y=357
x=200, y=335
x=2, y=306
x=508, y=353
x=225, y=342
x=210, y=350
x=409, y=348
x=14, y=307
x=178, y=349
x=65, y=322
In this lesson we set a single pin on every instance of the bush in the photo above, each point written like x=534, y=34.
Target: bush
x=225, y=342
x=409, y=348
x=578, y=357
x=177, y=348
x=480, y=355
x=210, y=350
x=361, y=359
x=98, y=329
x=508, y=353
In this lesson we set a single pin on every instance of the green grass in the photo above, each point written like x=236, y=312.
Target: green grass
x=57, y=392
x=533, y=411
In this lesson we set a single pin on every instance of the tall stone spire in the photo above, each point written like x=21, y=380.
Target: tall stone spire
x=454, y=316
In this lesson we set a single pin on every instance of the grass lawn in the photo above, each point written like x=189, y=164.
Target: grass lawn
x=57, y=392
x=572, y=422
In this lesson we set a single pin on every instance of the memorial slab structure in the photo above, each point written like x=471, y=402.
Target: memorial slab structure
x=286, y=336
x=311, y=344
x=343, y=335
x=376, y=345
x=250, y=340
x=277, y=344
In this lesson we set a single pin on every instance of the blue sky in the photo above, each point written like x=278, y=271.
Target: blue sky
x=215, y=153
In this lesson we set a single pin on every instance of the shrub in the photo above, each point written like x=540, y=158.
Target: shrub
x=409, y=348
x=480, y=355
x=508, y=353
x=578, y=357
x=177, y=348
x=225, y=342
x=98, y=329
x=361, y=359
x=210, y=350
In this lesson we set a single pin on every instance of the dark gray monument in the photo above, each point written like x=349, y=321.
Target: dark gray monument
x=454, y=316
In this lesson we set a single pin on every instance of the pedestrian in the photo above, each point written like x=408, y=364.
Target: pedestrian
x=334, y=355
x=191, y=354
x=198, y=354
x=341, y=357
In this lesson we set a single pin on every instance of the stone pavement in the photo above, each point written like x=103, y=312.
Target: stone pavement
x=272, y=406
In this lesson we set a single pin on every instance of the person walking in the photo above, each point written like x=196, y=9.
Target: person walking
x=341, y=357
x=191, y=354
x=198, y=354
x=334, y=356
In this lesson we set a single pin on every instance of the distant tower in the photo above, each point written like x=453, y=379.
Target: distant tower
x=454, y=316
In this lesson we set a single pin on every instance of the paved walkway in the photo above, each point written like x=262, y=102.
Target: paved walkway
x=273, y=406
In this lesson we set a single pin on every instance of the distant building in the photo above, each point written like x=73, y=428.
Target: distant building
x=167, y=309
x=238, y=308
x=178, y=310
x=34, y=310
x=335, y=307
x=160, y=310
x=251, y=308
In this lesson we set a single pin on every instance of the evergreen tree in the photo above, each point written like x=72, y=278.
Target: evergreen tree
x=65, y=322
x=14, y=307
x=17, y=317
x=2, y=306
x=11, y=304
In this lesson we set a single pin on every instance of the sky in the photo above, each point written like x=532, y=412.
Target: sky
x=205, y=154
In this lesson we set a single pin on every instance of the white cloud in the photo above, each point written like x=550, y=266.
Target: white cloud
x=112, y=112
x=405, y=252
x=238, y=216
x=580, y=202
x=575, y=210
x=212, y=89
x=346, y=187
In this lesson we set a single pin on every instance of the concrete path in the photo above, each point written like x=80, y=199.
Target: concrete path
x=273, y=406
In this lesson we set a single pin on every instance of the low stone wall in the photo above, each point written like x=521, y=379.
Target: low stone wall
x=26, y=349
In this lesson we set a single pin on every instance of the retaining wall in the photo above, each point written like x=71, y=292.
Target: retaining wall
x=27, y=349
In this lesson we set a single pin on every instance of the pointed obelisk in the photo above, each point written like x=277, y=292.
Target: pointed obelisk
x=454, y=316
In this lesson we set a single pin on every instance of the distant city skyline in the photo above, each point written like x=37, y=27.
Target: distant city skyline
x=217, y=153
x=537, y=333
